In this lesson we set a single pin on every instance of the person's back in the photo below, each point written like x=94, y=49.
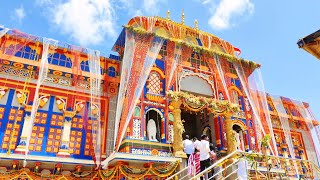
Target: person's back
x=188, y=146
x=203, y=147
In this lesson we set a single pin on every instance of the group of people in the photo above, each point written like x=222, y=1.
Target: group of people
x=201, y=154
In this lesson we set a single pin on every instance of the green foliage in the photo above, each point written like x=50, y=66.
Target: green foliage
x=265, y=140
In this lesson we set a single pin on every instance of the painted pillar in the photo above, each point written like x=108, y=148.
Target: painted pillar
x=64, y=147
x=26, y=130
x=178, y=129
x=230, y=137
x=245, y=138
x=163, y=135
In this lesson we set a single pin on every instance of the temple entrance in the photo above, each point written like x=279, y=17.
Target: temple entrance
x=189, y=123
x=196, y=124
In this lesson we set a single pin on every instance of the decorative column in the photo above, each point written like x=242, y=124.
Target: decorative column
x=229, y=132
x=64, y=146
x=178, y=129
x=26, y=130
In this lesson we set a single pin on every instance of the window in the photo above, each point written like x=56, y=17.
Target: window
x=137, y=112
x=163, y=50
x=85, y=66
x=27, y=53
x=60, y=60
x=195, y=60
x=231, y=68
x=154, y=83
x=111, y=71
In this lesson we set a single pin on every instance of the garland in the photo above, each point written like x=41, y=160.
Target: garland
x=196, y=48
x=138, y=173
x=216, y=106
x=265, y=140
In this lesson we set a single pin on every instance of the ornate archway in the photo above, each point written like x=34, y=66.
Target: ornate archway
x=217, y=107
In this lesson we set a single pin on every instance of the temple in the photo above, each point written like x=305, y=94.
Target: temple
x=67, y=112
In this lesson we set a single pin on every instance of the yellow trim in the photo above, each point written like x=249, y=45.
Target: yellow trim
x=240, y=123
x=236, y=89
x=50, y=89
x=51, y=66
x=159, y=71
x=146, y=142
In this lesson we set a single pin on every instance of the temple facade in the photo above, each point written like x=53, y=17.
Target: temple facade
x=68, y=112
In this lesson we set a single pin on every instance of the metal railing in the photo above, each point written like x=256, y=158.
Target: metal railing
x=257, y=166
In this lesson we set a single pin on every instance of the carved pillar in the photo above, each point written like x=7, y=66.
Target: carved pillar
x=64, y=147
x=230, y=137
x=178, y=129
x=27, y=128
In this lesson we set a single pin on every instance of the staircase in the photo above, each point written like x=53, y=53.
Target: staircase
x=243, y=165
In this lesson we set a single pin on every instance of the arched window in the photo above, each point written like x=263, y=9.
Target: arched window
x=153, y=126
x=60, y=60
x=136, y=112
x=27, y=53
x=111, y=71
x=154, y=83
x=235, y=97
x=171, y=117
x=85, y=66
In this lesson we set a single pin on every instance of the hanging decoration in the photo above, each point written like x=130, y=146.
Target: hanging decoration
x=44, y=67
x=146, y=50
x=282, y=114
x=197, y=103
x=254, y=90
x=196, y=48
x=95, y=93
x=311, y=122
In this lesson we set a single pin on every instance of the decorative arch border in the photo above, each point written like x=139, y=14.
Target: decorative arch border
x=155, y=109
x=158, y=70
x=236, y=89
x=200, y=76
x=240, y=123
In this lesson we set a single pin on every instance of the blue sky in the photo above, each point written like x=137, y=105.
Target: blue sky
x=265, y=31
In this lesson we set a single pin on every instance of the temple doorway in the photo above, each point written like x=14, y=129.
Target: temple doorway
x=189, y=122
x=196, y=124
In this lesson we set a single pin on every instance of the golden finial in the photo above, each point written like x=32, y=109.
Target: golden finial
x=168, y=14
x=196, y=24
x=182, y=17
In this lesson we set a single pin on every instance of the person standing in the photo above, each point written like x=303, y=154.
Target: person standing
x=194, y=163
x=188, y=146
x=195, y=142
x=203, y=147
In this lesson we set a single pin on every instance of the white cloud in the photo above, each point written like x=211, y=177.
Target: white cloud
x=86, y=21
x=227, y=10
x=18, y=14
x=151, y=6
x=137, y=8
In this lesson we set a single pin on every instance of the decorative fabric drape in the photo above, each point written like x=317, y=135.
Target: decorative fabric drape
x=146, y=50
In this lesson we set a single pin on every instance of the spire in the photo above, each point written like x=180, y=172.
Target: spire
x=196, y=24
x=182, y=17
x=168, y=14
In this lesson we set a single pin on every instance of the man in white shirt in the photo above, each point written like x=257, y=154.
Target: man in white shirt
x=188, y=146
x=204, y=148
